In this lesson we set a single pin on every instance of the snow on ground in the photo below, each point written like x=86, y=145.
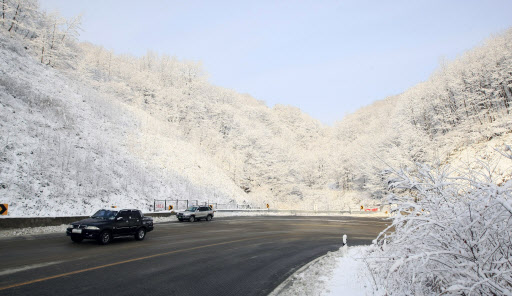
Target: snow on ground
x=351, y=275
x=343, y=272
x=33, y=231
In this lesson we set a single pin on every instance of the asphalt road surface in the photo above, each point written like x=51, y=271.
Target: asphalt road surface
x=226, y=256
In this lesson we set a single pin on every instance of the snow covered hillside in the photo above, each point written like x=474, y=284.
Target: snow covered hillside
x=282, y=155
x=83, y=127
x=68, y=149
x=270, y=153
x=465, y=103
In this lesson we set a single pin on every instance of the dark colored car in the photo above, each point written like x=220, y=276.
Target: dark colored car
x=106, y=225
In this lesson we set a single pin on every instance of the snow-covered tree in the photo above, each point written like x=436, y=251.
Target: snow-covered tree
x=451, y=233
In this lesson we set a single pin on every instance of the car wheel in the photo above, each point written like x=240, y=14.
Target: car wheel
x=105, y=238
x=77, y=239
x=192, y=219
x=140, y=234
x=209, y=218
x=181, y=220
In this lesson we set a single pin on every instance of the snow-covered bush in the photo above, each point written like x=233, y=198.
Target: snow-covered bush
x=452, y=233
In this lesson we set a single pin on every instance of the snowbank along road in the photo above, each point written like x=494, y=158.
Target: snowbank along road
x=227, y=256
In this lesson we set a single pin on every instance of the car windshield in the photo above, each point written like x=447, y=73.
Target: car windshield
x=105, y=214
x=191, y=209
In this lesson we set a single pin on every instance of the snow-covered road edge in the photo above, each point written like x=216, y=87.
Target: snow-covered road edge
x=342, y=272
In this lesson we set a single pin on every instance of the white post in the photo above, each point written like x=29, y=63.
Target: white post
x=344, y=247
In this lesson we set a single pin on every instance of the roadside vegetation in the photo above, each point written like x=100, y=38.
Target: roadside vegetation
x=452, y=231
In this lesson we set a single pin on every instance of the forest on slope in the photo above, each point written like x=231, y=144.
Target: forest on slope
x=153, y=127
x=465, y=102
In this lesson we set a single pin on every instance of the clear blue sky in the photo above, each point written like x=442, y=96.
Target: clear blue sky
x=328, y=58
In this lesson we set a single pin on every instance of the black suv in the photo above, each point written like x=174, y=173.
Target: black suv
x=105, y=225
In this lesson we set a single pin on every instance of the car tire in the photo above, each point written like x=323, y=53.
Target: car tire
x=209, y=218
x=181, y=220
x=105, y=237
x=140, y=234
x=77, y=239
x=192, y=219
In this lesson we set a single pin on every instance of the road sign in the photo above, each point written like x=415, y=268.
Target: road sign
x=211, y=207
x=3, y=209
x=371, y=210
x=362, y=208
x=160, y=205
x=170, y=208
x=268, y=206
x=114, y=207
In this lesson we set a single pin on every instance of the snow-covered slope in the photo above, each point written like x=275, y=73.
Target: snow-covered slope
x=83, y=127
x=464, y=103
x=67, y=149
x=267, y=152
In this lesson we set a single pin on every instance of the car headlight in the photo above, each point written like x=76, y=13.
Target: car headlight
x=71, y=226
x=92, y=228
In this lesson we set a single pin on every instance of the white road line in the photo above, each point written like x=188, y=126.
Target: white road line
x=28, y=267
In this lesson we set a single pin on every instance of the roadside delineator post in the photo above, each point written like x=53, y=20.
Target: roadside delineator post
x=344, y=246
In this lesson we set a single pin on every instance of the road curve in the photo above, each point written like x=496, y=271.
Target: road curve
x=227, y=256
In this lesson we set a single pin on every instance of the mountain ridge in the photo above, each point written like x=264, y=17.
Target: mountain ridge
x=116, y=129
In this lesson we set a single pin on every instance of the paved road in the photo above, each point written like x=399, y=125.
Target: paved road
x=227, y=256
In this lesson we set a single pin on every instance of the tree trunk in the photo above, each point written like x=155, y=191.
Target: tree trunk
x=53, y=42
x=3, y=12
x=14, y=18
x=465, y=106
x=508, y=97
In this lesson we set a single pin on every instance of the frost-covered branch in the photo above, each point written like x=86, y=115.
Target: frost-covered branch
x=451, y=236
